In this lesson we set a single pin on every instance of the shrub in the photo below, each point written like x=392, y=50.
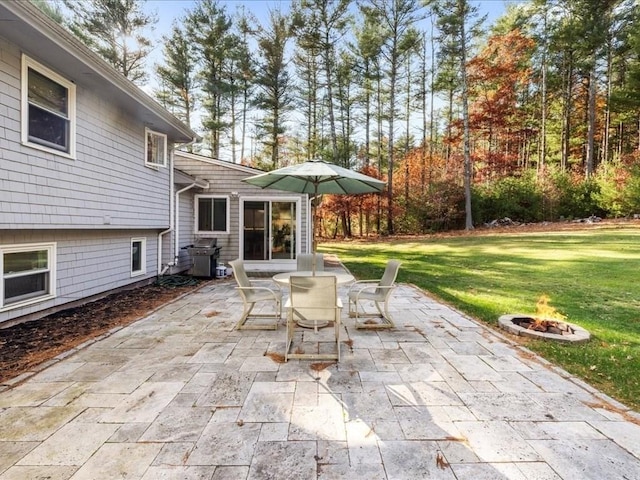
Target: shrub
x=631, y=192
x=519, y=198
x=569, y=195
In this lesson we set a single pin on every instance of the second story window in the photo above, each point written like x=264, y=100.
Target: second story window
x=48, y=109
x=156, y=149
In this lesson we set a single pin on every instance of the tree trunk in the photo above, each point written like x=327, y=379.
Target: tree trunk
x=432, y=121
x=390, y=153
x=407, y=127
x=543, y=111
x=467, y=139
x=379, y=149
x=332, y=121
x=591, y=121
x=367, y=114
x=567, y=109
x=607, y=112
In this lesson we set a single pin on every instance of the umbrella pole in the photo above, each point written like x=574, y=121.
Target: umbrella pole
x=313, y=230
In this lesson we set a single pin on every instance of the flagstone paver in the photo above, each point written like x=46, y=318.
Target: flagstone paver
x=182, y=395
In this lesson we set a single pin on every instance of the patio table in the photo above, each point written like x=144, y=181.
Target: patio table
x=341, y=277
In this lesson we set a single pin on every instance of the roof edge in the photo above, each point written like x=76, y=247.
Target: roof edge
x=31, y=15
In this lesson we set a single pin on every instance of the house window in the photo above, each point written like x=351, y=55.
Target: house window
x=48, y=109
x=155, y=153
x=28, y=274
x=212, y=214
x=138, y=256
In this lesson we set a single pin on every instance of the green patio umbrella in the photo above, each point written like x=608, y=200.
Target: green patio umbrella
x=316, y=177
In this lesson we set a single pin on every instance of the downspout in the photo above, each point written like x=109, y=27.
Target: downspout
x=161, y=270
x=196, y=183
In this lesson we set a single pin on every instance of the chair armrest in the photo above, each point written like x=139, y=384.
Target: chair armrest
x=359, y=283
x=366, y=288
x=376, y=287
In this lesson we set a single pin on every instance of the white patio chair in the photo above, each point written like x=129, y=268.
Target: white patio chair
x=305, y=262
x=376, y=291
x=313, y=303
x=251, y=294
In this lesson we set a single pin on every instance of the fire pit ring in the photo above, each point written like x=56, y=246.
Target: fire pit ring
x=572, y=334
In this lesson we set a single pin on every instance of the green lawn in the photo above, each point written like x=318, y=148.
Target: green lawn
x=590, y=275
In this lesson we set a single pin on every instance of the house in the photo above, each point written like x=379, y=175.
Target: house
x=86, y=171
x=90, y=201
x=265, y=228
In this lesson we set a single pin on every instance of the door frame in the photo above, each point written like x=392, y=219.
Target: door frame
x=301, y=235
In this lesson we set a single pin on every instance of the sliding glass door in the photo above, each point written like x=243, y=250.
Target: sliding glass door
x=270, y=230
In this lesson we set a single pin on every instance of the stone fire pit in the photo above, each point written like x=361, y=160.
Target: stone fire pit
x=558, y=330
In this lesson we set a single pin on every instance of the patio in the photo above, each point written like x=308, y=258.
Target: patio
x=180, y=394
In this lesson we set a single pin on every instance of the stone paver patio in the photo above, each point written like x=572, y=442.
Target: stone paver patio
x=180, y=394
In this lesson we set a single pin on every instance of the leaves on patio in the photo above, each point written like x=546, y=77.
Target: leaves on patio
x=441, y=462
x=319, y=366
x=276, y=357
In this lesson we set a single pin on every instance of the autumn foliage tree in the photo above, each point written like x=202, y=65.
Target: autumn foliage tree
x=351, y=215
x=498, y=77
x=435, y=205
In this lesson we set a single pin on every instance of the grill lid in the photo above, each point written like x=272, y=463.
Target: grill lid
x=204, y=246
x=206, y=242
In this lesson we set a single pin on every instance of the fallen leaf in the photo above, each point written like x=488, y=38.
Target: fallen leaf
x=441, y=462
x=276, y=357
x=319, y=366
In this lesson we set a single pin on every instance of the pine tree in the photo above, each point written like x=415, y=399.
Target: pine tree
x=397, y=19
x=457, y=32
x=320, y=24
x=177, y=75
x=115, y=29
x=275, y=93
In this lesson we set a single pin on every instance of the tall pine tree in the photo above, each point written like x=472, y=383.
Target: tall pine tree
x=115, y=29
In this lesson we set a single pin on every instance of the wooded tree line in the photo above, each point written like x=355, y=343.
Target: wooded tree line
x=536, y=116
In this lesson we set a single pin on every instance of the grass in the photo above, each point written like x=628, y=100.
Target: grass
x=590, y=275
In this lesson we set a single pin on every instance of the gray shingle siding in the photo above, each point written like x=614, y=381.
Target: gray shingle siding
x=90, y=206
x=224, y=179
x=107, y=185
x=88, y=262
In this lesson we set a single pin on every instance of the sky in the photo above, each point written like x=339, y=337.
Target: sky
x=170, y=10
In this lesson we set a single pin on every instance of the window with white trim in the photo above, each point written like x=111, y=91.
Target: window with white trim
x=28, y=274
x=48, y=109
x=212, y=214
x=138, y=256
x=155, y=152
